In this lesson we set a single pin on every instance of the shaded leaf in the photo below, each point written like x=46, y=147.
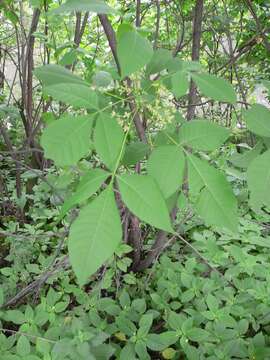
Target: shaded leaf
x=159, y=60
x=244, y=159
x=102, y=79
x=159, y=342
x=88, y=185
x=135, y=152
x=258, y=179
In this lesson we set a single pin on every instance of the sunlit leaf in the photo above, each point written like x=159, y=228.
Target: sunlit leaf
x=166, y=165
x=94, y=235
x=216, y=203
x=108, y=140
x=55, y=74
x=180, y=83
x=143, y=197
x=67, y=139
x=134, y=52
x=258, y=120
x=203, y=135
x=94, y=6
x=214, y=87
x=76, y=95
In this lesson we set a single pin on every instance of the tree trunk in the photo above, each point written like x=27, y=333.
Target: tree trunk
x=197, y=32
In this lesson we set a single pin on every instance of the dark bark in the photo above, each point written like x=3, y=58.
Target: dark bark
x=196, y=40
x=110, y=34
x=15, y=158
x=138, y=13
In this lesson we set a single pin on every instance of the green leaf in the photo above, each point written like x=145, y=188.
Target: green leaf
x=216, y=203
x=88, y=185
x=266, y=83
x=69, y=57
x=94, y=235
x=23, y=346
x=212, y=303
x=15, y=316
x=145, y=324
x=159, y=342
x=94, y=6
x=203, y=135
x=180, y=84
x=12, y=16
x=128, y=352
x=124, y=299
x=244, y=159
x=258, y=120
x=1, y=297
x=108, y=140
x=134, y=52
x=56, y=74
x=141, y=351
x=125, y=325
x=142, y=196
x=198, y=335
x=67, y=139
x=258, y=179
x=214, y=87
x=76, y=95
x=102, y=79
x=135, y=152
x=166, y=165
x=158, y=62
x=36, y=4
x=43, y=346
x=175, y=320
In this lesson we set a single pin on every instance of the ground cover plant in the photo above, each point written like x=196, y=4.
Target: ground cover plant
x=134, y=180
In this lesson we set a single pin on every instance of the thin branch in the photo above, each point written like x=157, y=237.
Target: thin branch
x=157, y=25
x=27, y=335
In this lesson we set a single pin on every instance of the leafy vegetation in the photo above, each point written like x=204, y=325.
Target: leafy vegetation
x=135, y=180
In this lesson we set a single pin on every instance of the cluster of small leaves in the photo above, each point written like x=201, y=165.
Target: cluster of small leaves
x=181, y=309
